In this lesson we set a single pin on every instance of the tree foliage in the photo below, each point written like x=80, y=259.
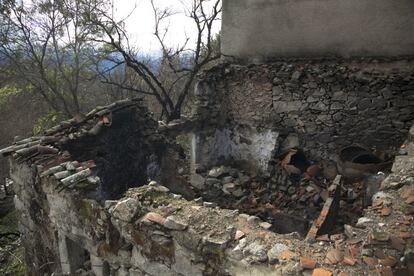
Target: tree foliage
x=49, y=45
x=55, y=48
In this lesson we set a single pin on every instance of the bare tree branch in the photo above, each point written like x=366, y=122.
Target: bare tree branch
x=174, y=81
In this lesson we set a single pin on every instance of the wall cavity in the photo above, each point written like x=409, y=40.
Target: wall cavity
x=249, y=148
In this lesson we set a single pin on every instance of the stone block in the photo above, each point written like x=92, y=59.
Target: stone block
x=286, y=107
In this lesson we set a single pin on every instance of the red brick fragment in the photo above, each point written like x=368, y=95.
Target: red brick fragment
x=321, y=272
x=388, y=261
x=307, y=263
x=385, y=212
x=410, y=200
x=405, y=235
x=286, y=255
x=354, y=251
x=349, y=261
x=334, y=256
x=154, y=217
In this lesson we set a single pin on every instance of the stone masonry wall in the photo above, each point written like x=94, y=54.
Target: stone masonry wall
x=321, y=105
x=62, y=179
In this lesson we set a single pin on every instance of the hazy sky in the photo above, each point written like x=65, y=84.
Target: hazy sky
x=140, y=25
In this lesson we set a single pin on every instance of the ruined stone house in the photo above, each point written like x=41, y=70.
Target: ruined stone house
x=288, y=134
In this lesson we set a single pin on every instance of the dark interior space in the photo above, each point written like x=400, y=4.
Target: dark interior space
x=123, y=157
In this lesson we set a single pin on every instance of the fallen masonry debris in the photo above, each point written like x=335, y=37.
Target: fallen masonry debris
x=114, y=194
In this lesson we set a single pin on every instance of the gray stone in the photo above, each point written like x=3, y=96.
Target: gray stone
x=244, y=216
x=174, y=223
x=110, y=203
x=229, y=188
x=77, y=177
x=61, y=175
x=364, y=104
x=198, y=200
x=227, y=179
x=94, y=180
x=291, y=141
x=283, y=188
x=162, y=189
x=409, y=257
x=311, y=99
x=189, y=239
x=386, y=93
x=320, y=106
x=253, y=219
x=71, y=166
x=274, y=253
x=211, y=244
x=290, y=269
x=257, y=250
x=324, y=118
x=411, y=134
x=285, y=107
x=296, y=75
x=363, y=221
x=339, y=96
x=217, y=172
x=138, y=259
x=126, y=209
x=238, y=192
x=337, y=106
x=319, y=93
x=265, y=225
x=348, y=230
x=52, y=170
x=212, y=181
x=153, y=183
x=310, y=189
x=175, y=196
x=403, y=165
x=276, y=80
x=277, y=91
x=244, y=180
x=209, y=204
x=3, y=194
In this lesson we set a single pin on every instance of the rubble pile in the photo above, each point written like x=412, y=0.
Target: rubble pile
x=98, y=156
x=115, y=202
x=293, y=192
x=152, y=230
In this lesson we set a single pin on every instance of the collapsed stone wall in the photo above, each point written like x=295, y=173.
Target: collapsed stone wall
x=152, y=231
x=98, y=158
x=69, y=227
x=319, y=106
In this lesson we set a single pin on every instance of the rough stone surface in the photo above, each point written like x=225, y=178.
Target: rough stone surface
x=350, y=107
x=126, y=209
x=71, y=227
x=174, y=224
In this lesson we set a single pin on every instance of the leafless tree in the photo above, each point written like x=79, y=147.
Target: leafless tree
x=172, y=92
x=47, y=42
